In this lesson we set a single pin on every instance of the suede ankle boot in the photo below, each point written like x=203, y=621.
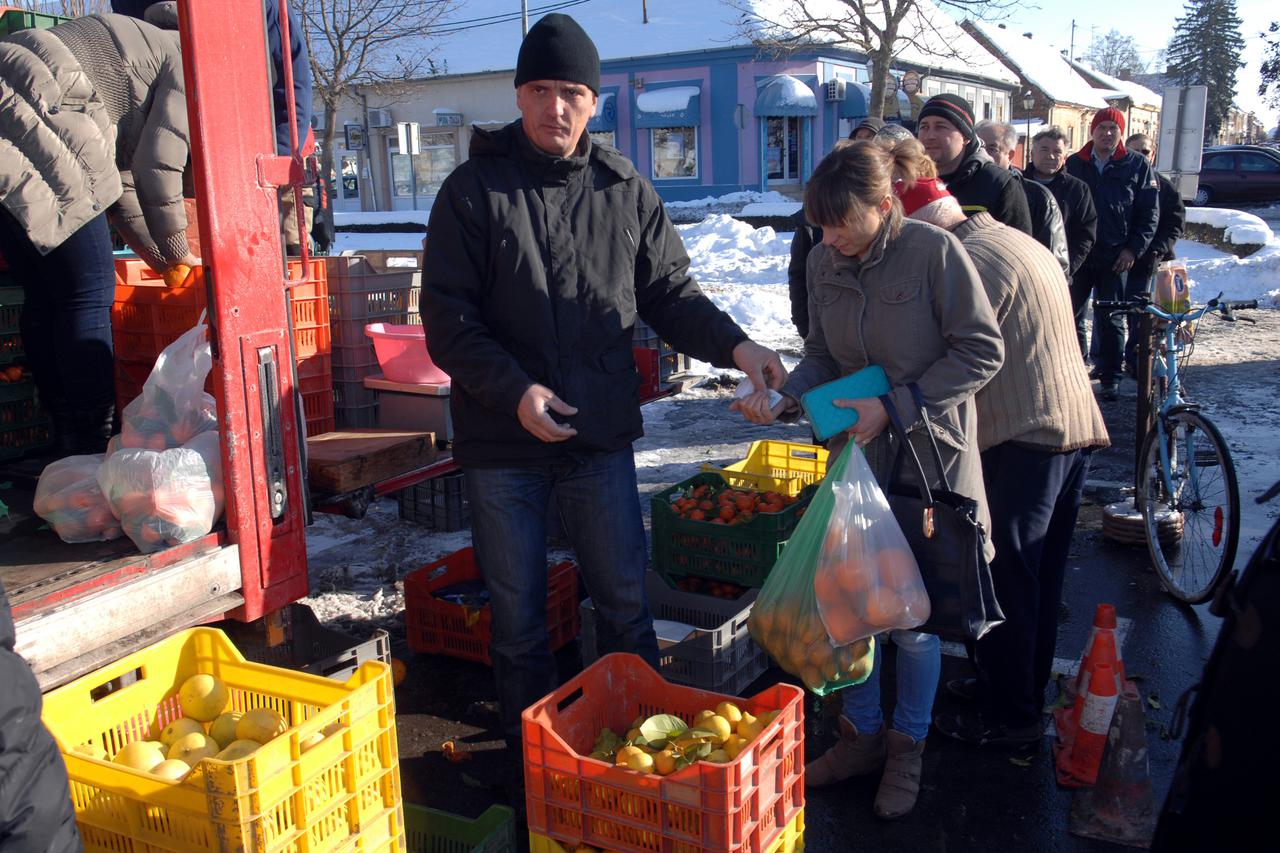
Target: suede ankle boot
x=854, y=754
x=900, y=784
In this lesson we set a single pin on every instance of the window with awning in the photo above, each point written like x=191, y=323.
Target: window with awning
x=783, y=96
x=674, y=106
x=857, y=101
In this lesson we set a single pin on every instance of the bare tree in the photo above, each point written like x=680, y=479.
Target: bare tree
x=882, y=29
x=356, y=43
x=1115, y=54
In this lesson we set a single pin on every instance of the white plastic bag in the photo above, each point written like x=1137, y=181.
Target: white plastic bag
x=69, y=498
x=165, y=497
x=867, y=580
x=173, y=407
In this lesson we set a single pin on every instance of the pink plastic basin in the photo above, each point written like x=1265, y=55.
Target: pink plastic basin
x=402, y=354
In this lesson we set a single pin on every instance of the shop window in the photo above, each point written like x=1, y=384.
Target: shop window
x=426, y=171
x=675, y=152
x=604, y=137
x=350, y=177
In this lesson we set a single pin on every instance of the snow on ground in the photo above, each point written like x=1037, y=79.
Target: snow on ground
x=1241, y=227
x=772, y=208
x=732, y=200
x=346, y=243
x=381, y=217
x=1212, y=272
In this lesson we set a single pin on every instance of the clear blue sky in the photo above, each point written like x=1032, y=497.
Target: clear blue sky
x=1151, y=25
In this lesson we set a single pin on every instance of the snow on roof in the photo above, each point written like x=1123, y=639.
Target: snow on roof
x=669, y=100
x=1043, y=66
x=484, y=35
x=787, y=90
x=1126, y=88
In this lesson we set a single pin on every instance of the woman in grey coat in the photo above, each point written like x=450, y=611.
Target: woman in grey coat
x=902, y=295
x=93, y=121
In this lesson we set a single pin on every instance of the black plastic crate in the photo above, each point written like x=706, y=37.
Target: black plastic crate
x=439, y=503
x=312, y=647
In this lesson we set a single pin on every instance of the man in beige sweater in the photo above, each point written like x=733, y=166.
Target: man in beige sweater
x=1037, y=425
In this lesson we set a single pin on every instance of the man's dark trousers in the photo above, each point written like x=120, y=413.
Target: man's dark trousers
x=1034, y=498
x=1138, y=282
x=1108, y=330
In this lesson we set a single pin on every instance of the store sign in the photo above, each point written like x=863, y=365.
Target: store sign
x=353, y=137
x=448, y=119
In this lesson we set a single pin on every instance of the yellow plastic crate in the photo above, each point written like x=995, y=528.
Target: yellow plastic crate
x=343, y=793
x=790, y=839
x=776, y=466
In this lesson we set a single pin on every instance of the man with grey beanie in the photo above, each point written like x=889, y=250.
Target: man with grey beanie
x=545, y=249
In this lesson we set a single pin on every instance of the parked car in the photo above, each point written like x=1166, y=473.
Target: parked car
x=1238, y=173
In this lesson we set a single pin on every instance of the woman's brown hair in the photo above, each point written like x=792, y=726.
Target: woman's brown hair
x=852, y=178
x=910, y=163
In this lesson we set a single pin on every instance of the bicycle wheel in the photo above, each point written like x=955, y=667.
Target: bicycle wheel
x=1192, y=530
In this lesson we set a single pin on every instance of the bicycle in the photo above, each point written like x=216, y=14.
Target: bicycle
x=1186, y=487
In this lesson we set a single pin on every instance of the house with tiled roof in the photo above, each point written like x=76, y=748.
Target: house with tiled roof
x=1140, y=105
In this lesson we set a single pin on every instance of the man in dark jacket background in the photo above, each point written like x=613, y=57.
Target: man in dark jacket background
x=1079, y=219
x=945, y=129
x=36, y=815
x=544, y=249
x=1125, y=195
x=999, y=141
x=1173, y=215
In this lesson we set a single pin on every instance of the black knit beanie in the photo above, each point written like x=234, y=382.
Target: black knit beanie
x=954, y=109
x=557, y=48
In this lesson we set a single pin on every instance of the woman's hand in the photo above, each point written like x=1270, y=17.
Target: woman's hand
x=755, y=407
x=872, y=418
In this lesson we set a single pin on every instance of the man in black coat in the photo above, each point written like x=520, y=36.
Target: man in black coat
x=1126, y=197
x=945, y=129
x=1173, y=215
x=999, y=141
x=36, y=815
x=544, y=250
x=1049, y=151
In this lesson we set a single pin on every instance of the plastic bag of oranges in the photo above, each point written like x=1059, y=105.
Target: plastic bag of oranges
x=173, y=407
x=69, y=498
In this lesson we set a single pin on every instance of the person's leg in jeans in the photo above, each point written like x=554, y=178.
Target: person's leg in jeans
x=600, y=502
x=1109, y=328
x=861, y=702
x=508, y=529
x=1053, y=565
x=1138, y=282
x=919, y=666
x=1081, y=287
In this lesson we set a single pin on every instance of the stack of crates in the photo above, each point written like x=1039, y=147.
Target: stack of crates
x=440, y=503
x=24, y=428
x=359, y=294
x=147, y=316
x=12, y=20
x=670, y=362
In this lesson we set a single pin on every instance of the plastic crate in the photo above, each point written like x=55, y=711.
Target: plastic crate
x=13, y=20
x=776, y=466
x=354, y=364
x=719, y=656
x=742, y=805
x=10, y=346
x=647, y=367
x=434, y=831
x=440, y=503
x=790, y=840
x=742, y=553
x=315, y=384
x=359, y=295
x=24, y=427
x=11, y=299
x=434, y=626
x=313, y=647
x=343, y=793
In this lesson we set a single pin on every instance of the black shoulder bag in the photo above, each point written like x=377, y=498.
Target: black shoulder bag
x=946, y=538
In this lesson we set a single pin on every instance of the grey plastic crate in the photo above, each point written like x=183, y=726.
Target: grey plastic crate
x=359, y=295
x=312, y=647
x=355, y=417
x=439, y=503
x=351, y=395
x=719, y=656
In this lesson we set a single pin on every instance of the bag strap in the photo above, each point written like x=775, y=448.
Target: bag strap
x=928, y=429
x=905, y=449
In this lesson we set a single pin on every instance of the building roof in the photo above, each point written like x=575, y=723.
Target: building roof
x=484, y=35
x=1042, y=66
x=1131, y=89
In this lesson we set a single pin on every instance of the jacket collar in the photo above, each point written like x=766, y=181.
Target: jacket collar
x=1086, y=153
x=971, y=160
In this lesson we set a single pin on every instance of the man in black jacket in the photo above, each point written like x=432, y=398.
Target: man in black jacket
x=945, y=129
x=544, y=249
x=999, y=141
x=36, y=815
x=1125, y=195
x=1075, y=201
x=1172, y=219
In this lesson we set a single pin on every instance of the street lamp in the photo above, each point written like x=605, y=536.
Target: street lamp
x=1028, y=104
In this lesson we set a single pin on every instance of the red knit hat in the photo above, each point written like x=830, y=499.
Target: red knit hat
x=1109, y=114
x=923, y=191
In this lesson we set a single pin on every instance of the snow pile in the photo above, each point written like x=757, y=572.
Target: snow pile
x=1241, y=228
x=1213, y=272
x=724, y=250
x=745, y=197
x=771, y=208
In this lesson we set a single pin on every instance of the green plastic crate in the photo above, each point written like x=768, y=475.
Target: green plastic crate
x=742, y=553
x=24, y=428
x=434, y=831
x=17, y=19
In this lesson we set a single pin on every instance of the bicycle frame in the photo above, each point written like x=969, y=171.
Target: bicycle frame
x=1167, y=366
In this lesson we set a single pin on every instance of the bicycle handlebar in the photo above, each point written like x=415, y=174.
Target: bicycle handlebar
x=1141, y=304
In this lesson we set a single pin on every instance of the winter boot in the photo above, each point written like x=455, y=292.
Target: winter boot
x=854, y=754
x=900, y=784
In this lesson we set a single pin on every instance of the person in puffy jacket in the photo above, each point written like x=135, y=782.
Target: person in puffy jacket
x=36, y=815
x=93, y=121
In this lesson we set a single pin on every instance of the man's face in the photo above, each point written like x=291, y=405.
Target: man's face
x=1106, y=137
x=1145, y=148
x=942, y=142
x=994, y=146
x=555, y=113
x=1048, y=156
x=863, y=133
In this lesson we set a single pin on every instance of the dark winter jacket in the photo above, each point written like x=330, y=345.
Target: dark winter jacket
x=536, y=271
x=1173, y=217
x=36, y=815
x=1046, y=220
x=980, y=185
x=1126, y=197
x=1079, y=217
x=807, y=236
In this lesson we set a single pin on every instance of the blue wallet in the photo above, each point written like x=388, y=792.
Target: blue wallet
x=827, y=419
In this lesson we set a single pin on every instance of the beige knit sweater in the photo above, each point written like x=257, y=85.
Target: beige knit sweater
x=1041, y=396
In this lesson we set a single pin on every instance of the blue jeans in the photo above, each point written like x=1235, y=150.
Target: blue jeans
x=919, y=666
x=66, y=312
x=598, y=499
x=1108, y=329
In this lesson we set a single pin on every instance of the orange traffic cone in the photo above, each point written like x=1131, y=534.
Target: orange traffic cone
x=1078, y=763
x=1103, y=650
x=1121, y=806
x=1104, y=622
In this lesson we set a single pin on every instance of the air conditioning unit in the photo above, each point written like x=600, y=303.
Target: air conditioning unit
x=380, y=118
x=835, y=90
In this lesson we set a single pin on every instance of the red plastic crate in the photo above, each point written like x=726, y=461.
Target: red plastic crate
x=647, y=366
x=442, y=627
x=705, y=808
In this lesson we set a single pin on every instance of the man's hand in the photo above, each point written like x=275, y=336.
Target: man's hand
x=761, y=364
x=872, y=418
x=534, y=416
x=1124, y=262
x=755, y=407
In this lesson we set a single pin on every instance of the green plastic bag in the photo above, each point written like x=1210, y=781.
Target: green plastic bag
x=785, y=620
